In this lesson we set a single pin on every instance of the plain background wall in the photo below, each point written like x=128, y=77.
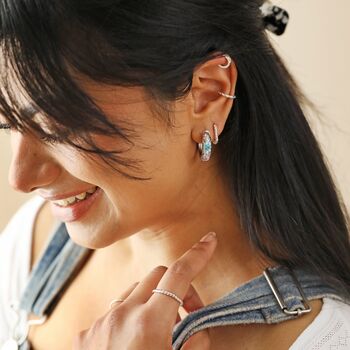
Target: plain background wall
x=316, y=47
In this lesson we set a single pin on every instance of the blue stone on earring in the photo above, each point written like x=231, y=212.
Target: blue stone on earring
x=205, y=147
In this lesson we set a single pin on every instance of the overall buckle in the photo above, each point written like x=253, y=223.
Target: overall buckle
x=283, y=306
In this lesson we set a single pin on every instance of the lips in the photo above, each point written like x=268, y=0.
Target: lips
x=77, y=210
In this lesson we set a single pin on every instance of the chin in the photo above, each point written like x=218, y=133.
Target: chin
x=91, y=237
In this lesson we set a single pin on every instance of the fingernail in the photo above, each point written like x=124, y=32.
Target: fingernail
x=209, y=237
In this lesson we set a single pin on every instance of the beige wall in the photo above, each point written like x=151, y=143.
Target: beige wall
x=317, y=49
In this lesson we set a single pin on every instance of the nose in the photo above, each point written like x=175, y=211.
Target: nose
x=32, y=166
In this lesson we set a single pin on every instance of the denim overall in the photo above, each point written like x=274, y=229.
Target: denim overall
x=277, y=295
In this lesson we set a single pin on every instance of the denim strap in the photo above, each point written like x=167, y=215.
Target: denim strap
x=52, y=272
x=255, y=302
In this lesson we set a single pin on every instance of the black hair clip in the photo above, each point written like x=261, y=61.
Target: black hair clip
x=275, y=18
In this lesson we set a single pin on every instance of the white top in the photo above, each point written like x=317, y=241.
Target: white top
x=329, y=330
x=15, y=257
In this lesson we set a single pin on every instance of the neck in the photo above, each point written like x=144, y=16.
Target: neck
x=234, y=262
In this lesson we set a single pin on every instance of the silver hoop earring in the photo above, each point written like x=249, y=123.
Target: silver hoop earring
x=229, y=61
x=205, y=146
x=216, y=134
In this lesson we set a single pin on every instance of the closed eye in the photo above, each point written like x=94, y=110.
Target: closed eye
x=50, y=139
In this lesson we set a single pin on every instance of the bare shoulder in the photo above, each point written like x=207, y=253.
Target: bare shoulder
x=43, y=226
x=263, y=336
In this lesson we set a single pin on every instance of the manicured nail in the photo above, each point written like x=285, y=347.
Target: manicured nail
x=209, y=237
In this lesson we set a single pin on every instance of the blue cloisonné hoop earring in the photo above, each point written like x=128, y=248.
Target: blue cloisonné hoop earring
x=205, y=146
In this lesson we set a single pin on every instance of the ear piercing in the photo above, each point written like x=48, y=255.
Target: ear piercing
x=216, y=134
x=205, y=147
x=233, y=97
x=229, y=61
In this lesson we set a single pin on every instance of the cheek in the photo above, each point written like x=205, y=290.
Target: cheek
x=170, y=164
x=129, y=206
x=158, y=197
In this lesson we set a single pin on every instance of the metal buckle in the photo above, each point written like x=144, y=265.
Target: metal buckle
x=283, y=306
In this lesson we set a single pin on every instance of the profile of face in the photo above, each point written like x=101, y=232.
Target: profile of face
x=121, y=207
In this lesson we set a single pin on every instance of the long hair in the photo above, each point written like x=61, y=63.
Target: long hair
x=280, y=183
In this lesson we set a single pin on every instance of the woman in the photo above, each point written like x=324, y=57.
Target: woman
x=146, y=125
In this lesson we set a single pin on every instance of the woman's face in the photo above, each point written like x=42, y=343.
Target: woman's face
x=121, y=206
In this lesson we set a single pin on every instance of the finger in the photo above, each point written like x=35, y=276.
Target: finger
x=143, y=291
x=192, y=300
x=198, y=341
x=123, y=296
x=179, y=275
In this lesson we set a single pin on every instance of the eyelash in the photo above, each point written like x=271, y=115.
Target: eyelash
x=50, y=139
x=46, y=139
x=5, y=126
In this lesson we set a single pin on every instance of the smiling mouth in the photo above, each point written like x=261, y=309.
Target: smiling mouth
x=70, y=201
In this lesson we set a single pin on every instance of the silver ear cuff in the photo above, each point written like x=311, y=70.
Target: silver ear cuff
x=226, y=95
x=229, y=61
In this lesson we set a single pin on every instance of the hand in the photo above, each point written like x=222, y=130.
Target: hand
x=145, y=320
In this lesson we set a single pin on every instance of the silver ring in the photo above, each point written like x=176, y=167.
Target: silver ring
x=169, y=294
x=115, y=301
x=226, y=95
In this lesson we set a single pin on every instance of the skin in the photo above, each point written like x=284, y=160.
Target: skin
x=139, y=322
x=149, y=224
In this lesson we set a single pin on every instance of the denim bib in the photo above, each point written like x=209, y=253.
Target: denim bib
x=277, y=295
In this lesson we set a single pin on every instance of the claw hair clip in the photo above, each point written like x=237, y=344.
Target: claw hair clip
x=275, y=18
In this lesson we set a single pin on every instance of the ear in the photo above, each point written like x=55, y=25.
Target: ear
x=207, y=105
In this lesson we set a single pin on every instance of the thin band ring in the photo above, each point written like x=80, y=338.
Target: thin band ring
x=115, y=301
x=169, y=294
